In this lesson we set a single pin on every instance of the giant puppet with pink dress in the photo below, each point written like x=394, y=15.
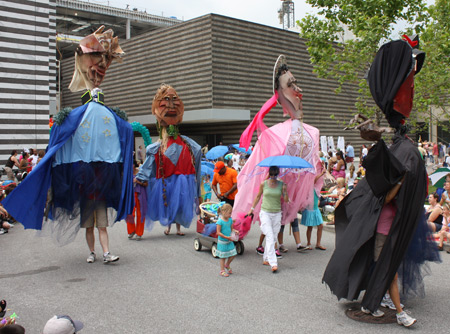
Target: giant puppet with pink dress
x=292, y=137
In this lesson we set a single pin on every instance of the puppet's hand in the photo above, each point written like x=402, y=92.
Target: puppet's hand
x=368, y=129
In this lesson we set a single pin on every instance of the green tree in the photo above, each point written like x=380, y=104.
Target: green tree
x=372, y=23
x=433, y=83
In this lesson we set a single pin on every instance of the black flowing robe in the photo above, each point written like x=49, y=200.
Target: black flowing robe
x=351, y=268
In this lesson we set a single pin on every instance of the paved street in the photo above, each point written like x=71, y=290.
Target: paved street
x=162, y=285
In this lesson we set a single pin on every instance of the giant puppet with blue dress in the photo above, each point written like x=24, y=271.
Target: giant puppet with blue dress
x=88, y=164
x=171, y=171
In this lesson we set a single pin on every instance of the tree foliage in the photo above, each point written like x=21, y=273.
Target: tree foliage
x=372, y=23
x=433, y=83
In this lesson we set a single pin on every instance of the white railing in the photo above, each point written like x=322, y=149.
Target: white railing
x=118, y=12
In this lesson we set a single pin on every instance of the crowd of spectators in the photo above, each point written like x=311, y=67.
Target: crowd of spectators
x=17, y=167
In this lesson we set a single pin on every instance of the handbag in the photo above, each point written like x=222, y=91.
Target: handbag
x=328, y=180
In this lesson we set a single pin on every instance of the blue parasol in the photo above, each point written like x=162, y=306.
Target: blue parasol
x=241, y=149
x=216, y=152
x=285, y=161
x=207, y=168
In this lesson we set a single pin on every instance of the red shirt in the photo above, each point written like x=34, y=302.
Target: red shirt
x=435, y=149
x=184, y=165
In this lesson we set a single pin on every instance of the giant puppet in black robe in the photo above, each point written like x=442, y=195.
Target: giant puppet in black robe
x=352, y=269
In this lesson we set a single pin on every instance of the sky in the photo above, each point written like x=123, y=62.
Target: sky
x=258, y=11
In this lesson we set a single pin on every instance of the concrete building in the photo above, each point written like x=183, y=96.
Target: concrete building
x=27, y=73
x=29, y=61
x=222, y=68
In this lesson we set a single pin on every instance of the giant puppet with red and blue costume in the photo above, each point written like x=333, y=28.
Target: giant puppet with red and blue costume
x=172, y=168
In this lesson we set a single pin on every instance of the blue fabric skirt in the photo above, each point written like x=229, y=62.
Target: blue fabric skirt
x=76, y=185
x=311, y=218
x=414, y=266
x=172, y=200
x=225, y=249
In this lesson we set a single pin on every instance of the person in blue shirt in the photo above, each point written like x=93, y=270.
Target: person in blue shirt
x=226, y=250
x=207, y=188
x=349, y=153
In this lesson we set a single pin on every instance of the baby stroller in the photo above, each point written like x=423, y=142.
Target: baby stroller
x=206, y=231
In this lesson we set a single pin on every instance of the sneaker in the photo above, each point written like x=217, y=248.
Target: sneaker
x=2, y=231
x=131, y=235
x=138, y=238
x=91, y=258
x=260, y=250
x=376, y=314
x=278, y=254
x=405, y=320
x=301, y=248
x=283, y=249
x=110, y=258
x=387, y=302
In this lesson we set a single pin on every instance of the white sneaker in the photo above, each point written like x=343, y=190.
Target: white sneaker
x=138, y=238
x=91, y=258
x=387, y=302
x=405, y=320
x=110, y=258
x=131, y=235
x=376, y=314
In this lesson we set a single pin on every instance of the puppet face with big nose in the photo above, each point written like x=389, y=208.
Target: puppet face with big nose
x=93, y=67
x=167, y=107
x=290, y=96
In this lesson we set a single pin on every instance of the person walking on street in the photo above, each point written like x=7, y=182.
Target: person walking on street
x=227, y=180
x=272, y=190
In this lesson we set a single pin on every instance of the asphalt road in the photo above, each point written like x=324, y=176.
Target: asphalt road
x=162, y=285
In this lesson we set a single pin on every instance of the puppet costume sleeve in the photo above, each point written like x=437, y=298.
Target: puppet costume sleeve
x=173, y=182
x=88, y=163
x=300, y=183
x=352, y=269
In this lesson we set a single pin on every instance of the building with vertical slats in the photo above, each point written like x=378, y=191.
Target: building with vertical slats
x=27, y=73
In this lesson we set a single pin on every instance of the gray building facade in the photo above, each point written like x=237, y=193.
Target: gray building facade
x=27, y=73
x=222, y=69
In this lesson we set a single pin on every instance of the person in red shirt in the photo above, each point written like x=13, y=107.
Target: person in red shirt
x=435, y=153
x=227, y=179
